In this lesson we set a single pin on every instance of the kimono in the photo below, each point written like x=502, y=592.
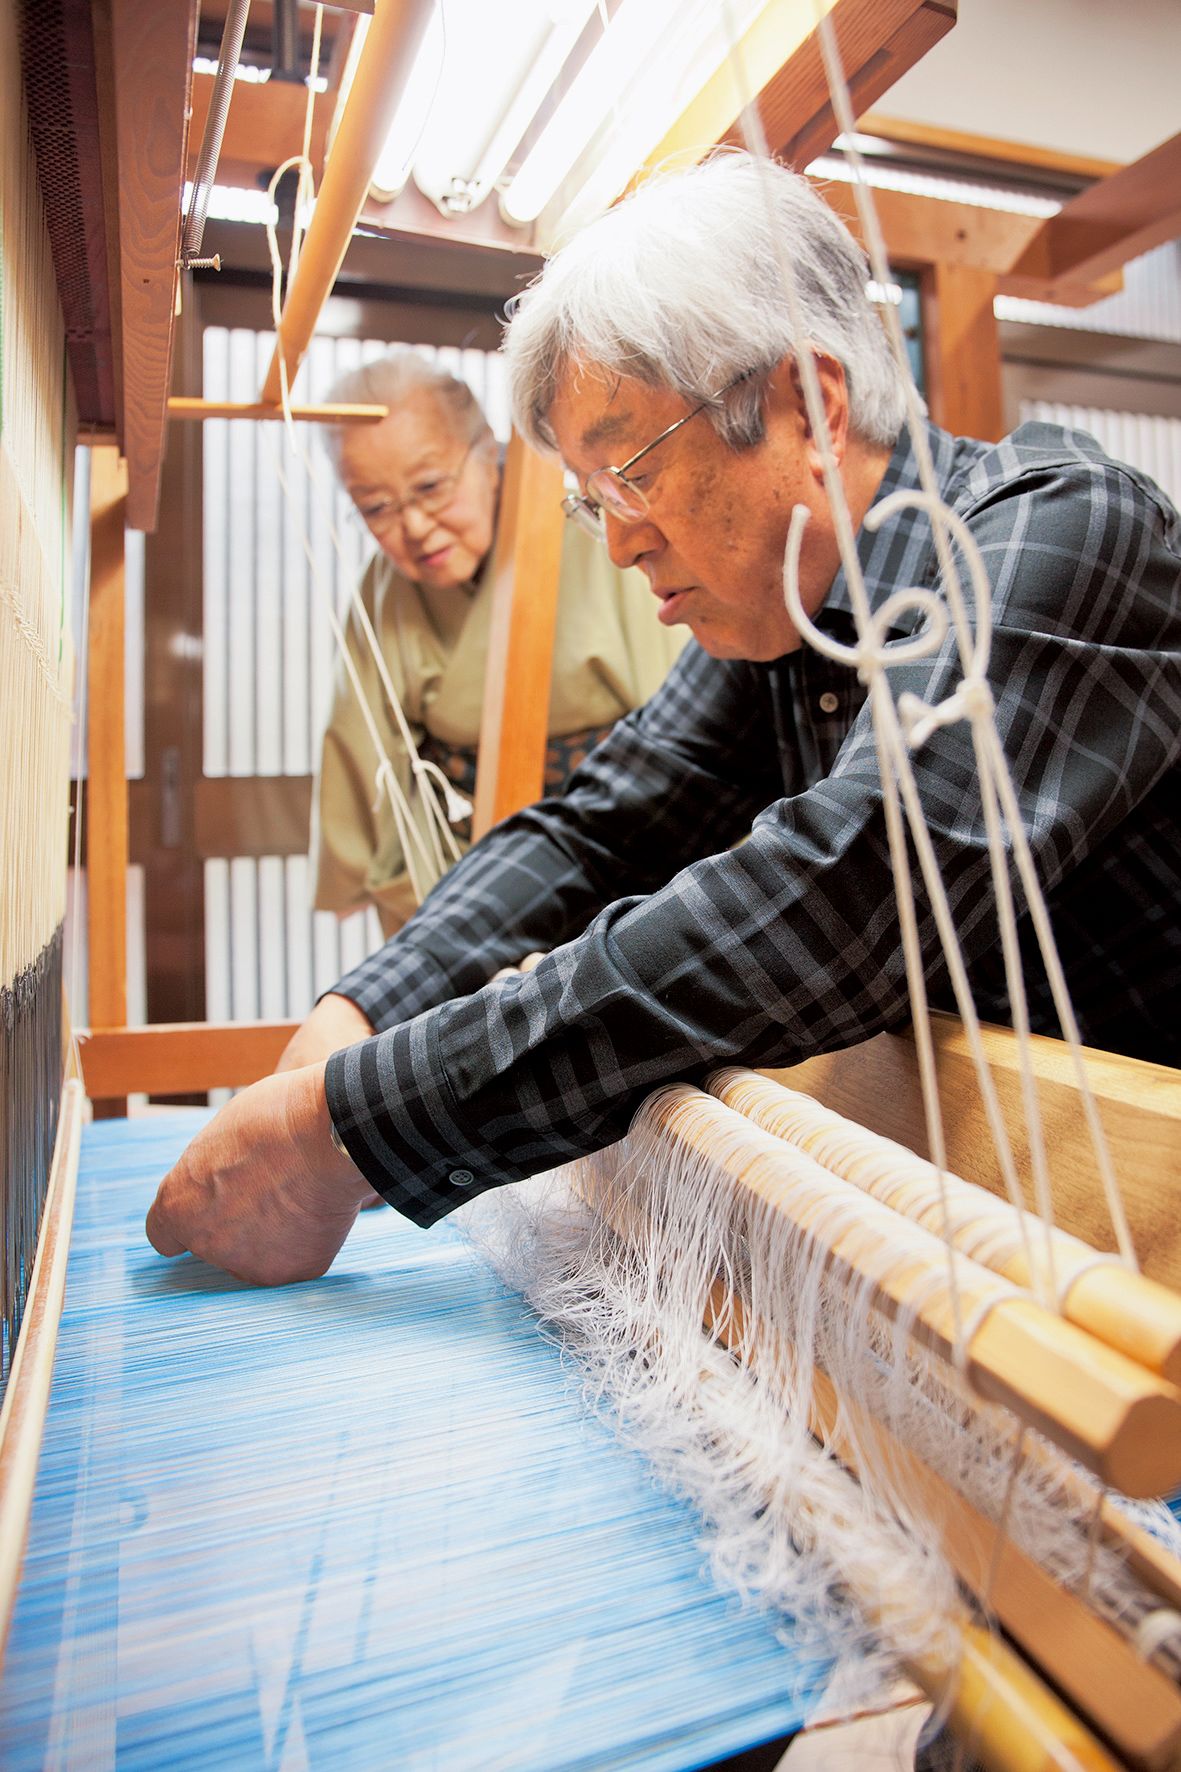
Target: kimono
x=610, y=655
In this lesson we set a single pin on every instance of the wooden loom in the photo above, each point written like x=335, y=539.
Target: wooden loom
x=1144, y=1101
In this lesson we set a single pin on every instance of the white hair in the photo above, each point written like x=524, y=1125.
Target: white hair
x=393, y=379
x=680, y=287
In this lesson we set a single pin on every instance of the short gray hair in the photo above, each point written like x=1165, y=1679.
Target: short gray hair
x=392, y=379
x=680, y=287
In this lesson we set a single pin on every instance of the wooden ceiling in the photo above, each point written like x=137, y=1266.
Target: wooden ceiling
x=120, y=72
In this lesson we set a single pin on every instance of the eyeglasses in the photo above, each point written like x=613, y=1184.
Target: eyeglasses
x=609, y=489
x=432, y=494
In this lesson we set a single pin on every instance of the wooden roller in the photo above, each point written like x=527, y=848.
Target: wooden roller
x=1119, y=1420
x=1138, y=1316
x=1130, y=1703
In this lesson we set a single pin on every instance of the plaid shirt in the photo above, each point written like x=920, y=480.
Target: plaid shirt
x=788, y=944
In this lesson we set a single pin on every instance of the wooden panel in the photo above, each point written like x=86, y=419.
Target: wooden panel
x=253, y=815
x=106, y=795
x=1118, y=218
x=962, y=352
x=153, y=54
x=264, y=127
x=180, y=1058
x=525, y=568
x=1139, y=1105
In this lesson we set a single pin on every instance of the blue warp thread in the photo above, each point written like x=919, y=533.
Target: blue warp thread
x=360, y=1523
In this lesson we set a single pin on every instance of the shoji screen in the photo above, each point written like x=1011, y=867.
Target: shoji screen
x=268, y=660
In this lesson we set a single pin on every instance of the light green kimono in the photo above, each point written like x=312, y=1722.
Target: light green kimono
x=610, y=655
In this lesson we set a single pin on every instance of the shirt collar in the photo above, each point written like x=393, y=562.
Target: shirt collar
x=896, y=555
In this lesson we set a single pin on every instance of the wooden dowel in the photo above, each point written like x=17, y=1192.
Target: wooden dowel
x=186, y=407
x=1119, y=1420
x=1126, y=1310
x=1132, y=1704
x=382, y=72
x=175, y=1058
x=26, y=1395
x=106, y=787
x=525, y=577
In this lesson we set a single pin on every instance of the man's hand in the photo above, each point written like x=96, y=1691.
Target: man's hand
x=262, y=1191
x=334, y=1023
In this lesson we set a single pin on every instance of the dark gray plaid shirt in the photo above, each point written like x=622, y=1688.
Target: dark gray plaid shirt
x=788, y=944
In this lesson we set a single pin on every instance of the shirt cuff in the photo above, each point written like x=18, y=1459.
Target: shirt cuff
x=392, y=1107
x=395, y=984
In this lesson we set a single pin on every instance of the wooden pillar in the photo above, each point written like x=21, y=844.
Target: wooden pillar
x=962, y=351
x=525, y=571
x=106, y=787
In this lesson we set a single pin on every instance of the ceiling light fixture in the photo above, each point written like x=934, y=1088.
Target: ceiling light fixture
x=625, y=46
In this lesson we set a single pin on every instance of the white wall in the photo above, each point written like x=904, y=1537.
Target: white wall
x=1081, y=76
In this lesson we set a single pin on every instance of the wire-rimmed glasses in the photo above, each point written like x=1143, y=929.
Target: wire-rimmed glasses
x=609, y=489
x=432, y=495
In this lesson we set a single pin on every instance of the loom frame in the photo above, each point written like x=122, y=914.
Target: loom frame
x=181, y=1057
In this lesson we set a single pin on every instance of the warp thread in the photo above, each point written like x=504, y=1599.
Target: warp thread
x=30, y=1095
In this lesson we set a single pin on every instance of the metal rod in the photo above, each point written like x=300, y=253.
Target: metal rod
x=382, y=72
x=215, y=125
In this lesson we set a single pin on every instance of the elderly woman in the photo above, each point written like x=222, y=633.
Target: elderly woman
x=426, y=481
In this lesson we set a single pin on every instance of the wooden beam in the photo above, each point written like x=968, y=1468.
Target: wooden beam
x=879, y=41
x=106, y=796
x=185, y=406
x=1117, y=219
x=153, y=54
x=983, y=147
x=779, y=60
x=962, y=355
x=382, y=71
x=921, y=232
x=525, y=570
x=180, y=1058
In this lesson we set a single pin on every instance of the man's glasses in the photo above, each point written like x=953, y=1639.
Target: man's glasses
x=609, y=489
x=431, y=495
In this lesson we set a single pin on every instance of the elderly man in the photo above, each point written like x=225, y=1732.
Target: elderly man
x=656, y=356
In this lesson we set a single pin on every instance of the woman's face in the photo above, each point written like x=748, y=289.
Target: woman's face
x=427, y=497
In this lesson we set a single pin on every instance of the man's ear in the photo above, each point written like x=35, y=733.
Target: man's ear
x=834, y=391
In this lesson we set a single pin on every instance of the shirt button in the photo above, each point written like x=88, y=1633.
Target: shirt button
x=461, y=1178
x=829, y=702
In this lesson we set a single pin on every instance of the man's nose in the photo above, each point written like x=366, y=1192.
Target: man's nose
x=630, y=540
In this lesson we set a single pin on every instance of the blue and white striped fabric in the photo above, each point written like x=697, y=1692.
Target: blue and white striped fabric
x=357, y=1523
